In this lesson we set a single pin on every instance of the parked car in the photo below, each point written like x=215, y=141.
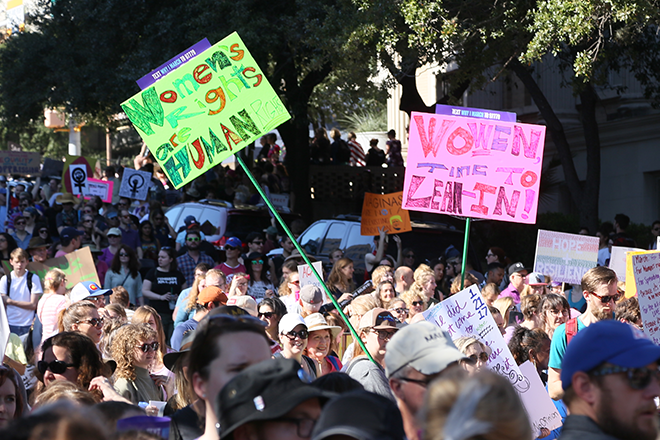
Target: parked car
x=428, y=240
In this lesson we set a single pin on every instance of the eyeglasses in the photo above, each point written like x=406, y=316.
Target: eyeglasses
x=400, y=311
x=88, y=220
x=473, y=358
x=606, y=299
x=266, y=315
x=304, y=427
x=638, y=378
x=257, y=242
x=192, y=239
x=56, y=367
x=146, y=347
x=302, y=334
x=421, y=382
x=410, y=256
x=384, y=335
x=257, y=261
x=94, y=322
x=417, y=303
x=296, y=282
x=123, y=254
x=43, y=231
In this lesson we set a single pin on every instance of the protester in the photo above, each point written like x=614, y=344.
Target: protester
x=340, y=280
x=124, y=271
x=208, y=299
x=531, y=310
x=442, y=287
x=289, y=291
x=399, y=310
x=162, y=286
x=494, y=274
x=257, y=269
x=67, y=218
x=147, y=315
x=382, y=273
x=51, y=303
x=375, y=156
x=403, y=277
x=490, y=293
x=424, y=284
x=70, y=241
x=82, y=317
x=7, y=246
x=531, y=345
x=320, y=344
x=21, y=236
x=415, y=356
x=416, y=303
x=475, y=352
x=517, y=273
x=149, y=244
x=609, y=375
x=271, y=311
x=20, y=292
x=232, y=264
x=385, y=293
x=293, y=339
x=188, y=261
x=11, y=400
x=88, y=291
x=628, y=311
x=555, y=311
x=186, y=303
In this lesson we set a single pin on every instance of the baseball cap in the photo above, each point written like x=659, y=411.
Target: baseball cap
x=516, y=267
x=85, y=289
x=311, y=294
x=68, y=233
x=112, y=214
x=316, y=321
x=378, y=319
x=290, y=321
x=190, y=220
x=264, y=391
x=114, y=231
x=536, y=279
x=346, y=415
x=211, y=294
x=606, y=341
x=233, y=242
x=424, y=346
x=245, y=302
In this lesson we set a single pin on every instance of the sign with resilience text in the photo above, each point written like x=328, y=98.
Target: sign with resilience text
x=473, y=167
x=206, y=110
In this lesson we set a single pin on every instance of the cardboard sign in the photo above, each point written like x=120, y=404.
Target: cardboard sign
x=618, y=260
x=206, y=110
x=52, y=168
x=101, y=188
x=76, y=171
x=281, y=200
x=466, y=314
x=384, y=211
x=631, y=285
x=135, y=184
x=20, y=162
x=473, y=167
x=540, y=409
x=78, y=266
x=565, y=257
x=647, y=281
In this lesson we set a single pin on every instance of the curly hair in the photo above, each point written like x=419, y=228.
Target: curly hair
x=338, y=279
x=523, y=340
x=53, y=279
x=379, y=272
x=73, y=315
x=456, y=284
x=376, y=293
x=411, y=295
x=123, y=347
x=84, y=355
x=141, y=316
x=110, y=327
x=529, y=306
x=421, y=272
x=64, y=390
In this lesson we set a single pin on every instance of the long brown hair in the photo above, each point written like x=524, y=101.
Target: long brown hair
x=133, y=263
x=84, y=355
x=337, y=278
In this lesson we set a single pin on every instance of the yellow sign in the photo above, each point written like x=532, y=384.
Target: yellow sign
x=206, y=110
x=631, y=286
x=384, y=211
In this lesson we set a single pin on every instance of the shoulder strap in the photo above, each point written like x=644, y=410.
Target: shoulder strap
x=9, y=283
x=29, y=282
x=571, y=329
x=333, y=361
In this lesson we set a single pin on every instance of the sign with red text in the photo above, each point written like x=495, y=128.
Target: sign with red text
x=565, y=257
x=383, y=211
x=197, y=115
x=473, y=167
x=308, y=277
x=646, y=268
x=466, y=314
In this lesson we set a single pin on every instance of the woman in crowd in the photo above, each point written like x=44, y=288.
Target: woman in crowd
x=424, y=284
x=11, y=399
x=82, y=317
x=442, y=285
x=110, y=327
x=320, y=343
x=415, y=302
x=51, y=303
x=289, y=291
x=240, y=284
x=186, y=304
x=496, y=255
x=271, y=311
x=456, y=283
x=398, y=309
x=355, y=311
x=7, y=246
x=134, y=348
x=385, y=293
x=480, y=407
x=376, y=329
x=476, y=352
x=340, y=280
x=124, y=271
x=531, y=345
x=529, y=306
x=382, y=273
x=260, y=286
x=114, y=240
x=293, y=339
x=162, y=286
x=555, y=311
x=491, y=293
x=147, y=315
x=149, y=245
x=505, y=306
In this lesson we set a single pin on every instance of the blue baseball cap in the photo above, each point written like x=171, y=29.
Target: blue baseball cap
x=233, y=242
x=607, y=341
x=69, y=233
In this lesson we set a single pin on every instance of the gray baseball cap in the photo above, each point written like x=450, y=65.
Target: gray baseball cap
x=424, y=346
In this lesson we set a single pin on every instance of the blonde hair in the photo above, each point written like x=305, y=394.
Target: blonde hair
x=284, y=287
x=110, y=327
x=410, y=295
x=194, y=293
x=490, y=289
x=456, y=284
x=73, y=315
x=54, y=279
x=64, y=390
x=499, y=406
x=123, y=347
x=141, y=316
x=19, y=254
x=379, y=272
x=504, y=304
x=362, y=304
x=529, y=306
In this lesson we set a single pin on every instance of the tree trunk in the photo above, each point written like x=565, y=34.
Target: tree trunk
x=589, y=206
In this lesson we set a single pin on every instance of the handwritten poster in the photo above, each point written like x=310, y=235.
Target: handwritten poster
x=20, y=162
x=384, y=211
x=647, y=280
x=473, y=167
x=540, y=409
x=4, y=330
x=565, y=257
x=307, y=276
x=197, y=115
x=466, y=314
x=631, y=285
x=618, y=260
x=101, y=188
x=135, y=184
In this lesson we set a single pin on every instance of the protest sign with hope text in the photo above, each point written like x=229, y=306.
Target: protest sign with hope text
x=206, y=110
x=383, y=211
x=473, y=167
x=565, y=257
x=647, y=280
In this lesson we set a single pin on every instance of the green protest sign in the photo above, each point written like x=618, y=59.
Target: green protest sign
x=206, y=110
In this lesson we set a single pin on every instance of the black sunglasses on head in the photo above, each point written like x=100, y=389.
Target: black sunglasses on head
x=56, y=367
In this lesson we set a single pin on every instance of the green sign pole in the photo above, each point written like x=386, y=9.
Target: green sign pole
x=466, y=239
x=356, y=337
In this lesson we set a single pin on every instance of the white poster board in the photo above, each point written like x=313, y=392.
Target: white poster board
x=78, y=175
x=540, y=409
x=4, y=330
x=618, y=260
x=307, y=276
x=647, y=280
x=135, y=184
x=565, y=257
x=466, y=314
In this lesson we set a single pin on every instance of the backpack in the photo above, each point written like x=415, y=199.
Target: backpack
x=571, y=329
x=29, y=282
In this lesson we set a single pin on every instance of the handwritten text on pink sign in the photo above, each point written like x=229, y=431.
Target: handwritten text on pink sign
x=473, y=167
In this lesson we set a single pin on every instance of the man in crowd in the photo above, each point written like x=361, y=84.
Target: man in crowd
x=70, y=240
x=208, y=299
x=20, y=295
x=188, y=261
x=403, y=277
x=610, y=378
x=278, y=260
x=129, y=235
x=494, y=274
x=517, y=274
x=232, y=265
x=417, y=354
x=38, y=249
x=599, y=288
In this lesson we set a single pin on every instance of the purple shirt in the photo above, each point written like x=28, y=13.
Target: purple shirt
x=512, y=292
x=106, y=256
x=130, y=238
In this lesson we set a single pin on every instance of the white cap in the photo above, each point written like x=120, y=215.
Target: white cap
x=290, y=321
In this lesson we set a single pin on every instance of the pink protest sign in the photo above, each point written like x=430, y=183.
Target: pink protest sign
x=101, y=188
x=473, y=167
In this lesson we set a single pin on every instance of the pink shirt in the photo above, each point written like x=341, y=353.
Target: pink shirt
x=230, y=271
x=48, y=309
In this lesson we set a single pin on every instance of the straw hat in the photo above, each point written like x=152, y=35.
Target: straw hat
x=65, y=198
x=316, y=321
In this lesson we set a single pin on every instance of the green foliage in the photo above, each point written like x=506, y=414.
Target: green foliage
x=372, y=118
x=36, y=138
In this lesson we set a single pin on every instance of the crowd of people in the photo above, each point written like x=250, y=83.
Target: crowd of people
x=187, y=339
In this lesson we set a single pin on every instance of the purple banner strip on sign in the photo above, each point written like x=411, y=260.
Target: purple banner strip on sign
x=479, y=113
x=172, y=64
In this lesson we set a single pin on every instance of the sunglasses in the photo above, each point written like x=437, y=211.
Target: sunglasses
x=607, y=298
x=266, y=315
x=89, y=220
x=296, y=282
x=638, y=378
x=192, y=239
x=56, y=367
x=94, y=322
x=257, y=261
x=302, y=334
x=257, y=242
x=20, y=223
x=146, y=347
x=473, y=358
x=384, y=335
x=230, y=248
x=43, y=231
x=123, y=254
x=417, y=303
x=400, y=311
